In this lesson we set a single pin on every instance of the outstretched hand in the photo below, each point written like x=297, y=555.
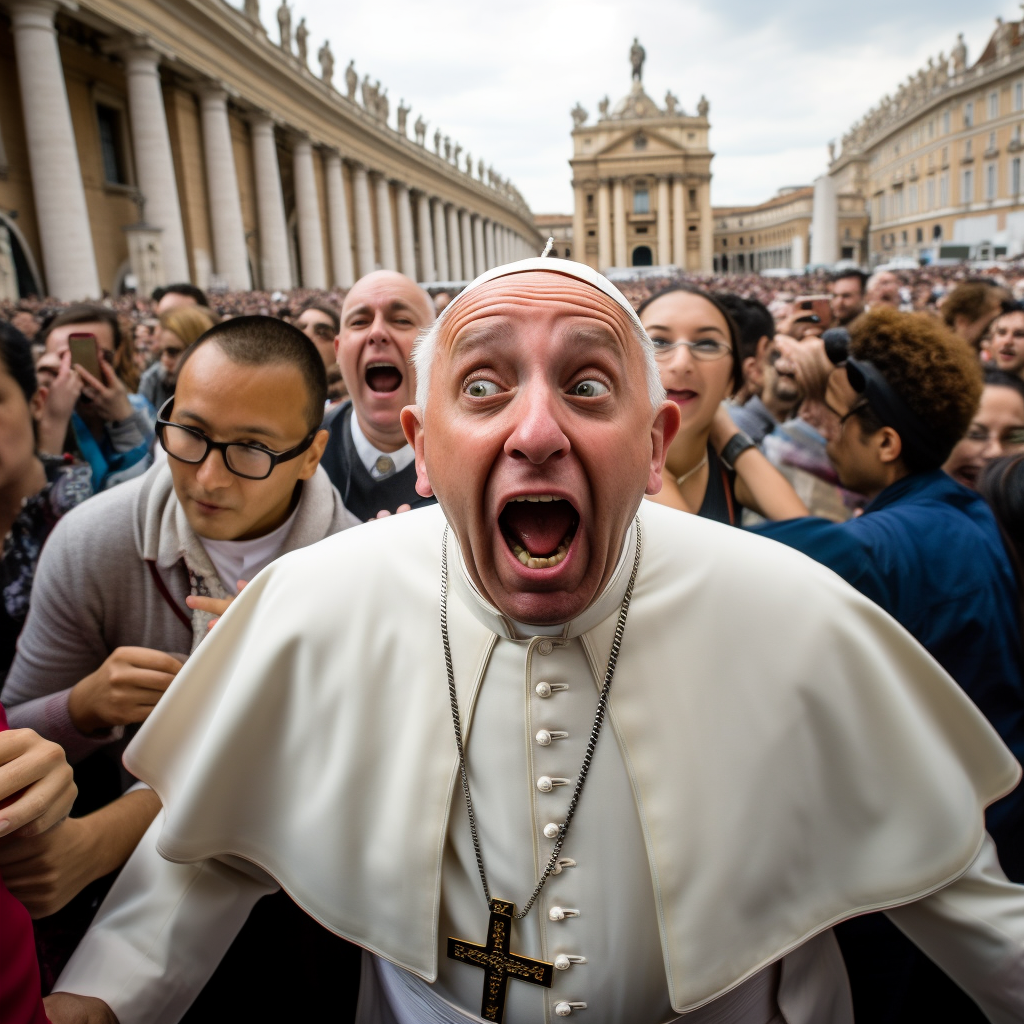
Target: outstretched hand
x=68, y=1008
x=214, y=605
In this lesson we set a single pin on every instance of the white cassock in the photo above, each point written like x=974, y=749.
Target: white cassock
x=779, y=755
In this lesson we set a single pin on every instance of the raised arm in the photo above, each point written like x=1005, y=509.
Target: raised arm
x=156, y=939
x=974, y=930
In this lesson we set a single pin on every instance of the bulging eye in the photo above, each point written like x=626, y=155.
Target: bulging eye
x=589, y=389
x=481, y=388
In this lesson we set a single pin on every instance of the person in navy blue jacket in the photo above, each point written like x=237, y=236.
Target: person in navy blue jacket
x=929, y=551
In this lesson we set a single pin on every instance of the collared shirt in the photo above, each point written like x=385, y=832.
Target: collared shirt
x=237, y=560
x=929, y=552
x=380, y=465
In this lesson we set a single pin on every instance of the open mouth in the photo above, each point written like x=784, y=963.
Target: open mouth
x=383, y=377
x=539, y=529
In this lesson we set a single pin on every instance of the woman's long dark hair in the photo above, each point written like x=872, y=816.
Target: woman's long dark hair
x=734, y=333
x=1002, y=485
x=16, y=356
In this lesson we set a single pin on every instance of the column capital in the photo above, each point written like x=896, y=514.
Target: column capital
x=34, y=13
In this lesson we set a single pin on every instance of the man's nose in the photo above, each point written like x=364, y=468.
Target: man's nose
x=213, y=473
x=379, y=330
x=538, y=435
x=993, y=448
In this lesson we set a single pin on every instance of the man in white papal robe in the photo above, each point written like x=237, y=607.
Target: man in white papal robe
x=738, y=803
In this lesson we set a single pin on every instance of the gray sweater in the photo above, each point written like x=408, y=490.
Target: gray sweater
x=93, y=592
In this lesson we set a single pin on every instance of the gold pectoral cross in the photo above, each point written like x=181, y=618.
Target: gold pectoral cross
x=498, y=963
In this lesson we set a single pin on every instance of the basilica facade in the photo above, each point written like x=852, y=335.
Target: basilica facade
x=179, y=140
x=641, y=178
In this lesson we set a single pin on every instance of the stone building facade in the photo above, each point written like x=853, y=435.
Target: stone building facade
x=937, y=166
x=641, y=180
x=175, y=140
x=771, y=235
x=558, y=227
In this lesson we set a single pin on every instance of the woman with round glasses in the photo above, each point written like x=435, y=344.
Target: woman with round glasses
x=712, y=469
x=997, y=429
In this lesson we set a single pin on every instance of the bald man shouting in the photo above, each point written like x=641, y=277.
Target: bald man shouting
x=562, y=752
x=367, y=456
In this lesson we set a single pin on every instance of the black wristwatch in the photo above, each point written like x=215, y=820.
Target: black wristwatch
x=734, y=448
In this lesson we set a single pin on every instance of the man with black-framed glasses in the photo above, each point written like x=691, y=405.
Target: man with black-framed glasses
x=929, y=552
x=126, y=591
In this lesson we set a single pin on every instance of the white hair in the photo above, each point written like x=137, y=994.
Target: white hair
x=425, y=352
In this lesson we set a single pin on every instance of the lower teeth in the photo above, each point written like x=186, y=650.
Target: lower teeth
x=531, y=562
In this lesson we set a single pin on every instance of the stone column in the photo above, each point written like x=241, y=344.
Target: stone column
x=706, y=227
x=440, y=242
x=619, y=223
x=428, y=269
x=337, y=221
x=678, y=223
x=479, y=264
x=365, y=260
x=825, y=221
x=579, y=223
x=406, y=240
x=664, y=235
x=230, y=256
x=151, y=146
x=275, y=267
x=489, y=243
x=454, y=244
x=604, y=226
x=466, y=230
x=503, y=253
x=307, y=215
x=64, y=232
x=385, y=226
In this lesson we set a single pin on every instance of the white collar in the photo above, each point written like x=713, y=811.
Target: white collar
x=237, y=560
x=485, y=612
x=368, y=454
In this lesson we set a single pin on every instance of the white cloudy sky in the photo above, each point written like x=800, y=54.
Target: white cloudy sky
x=782, y=78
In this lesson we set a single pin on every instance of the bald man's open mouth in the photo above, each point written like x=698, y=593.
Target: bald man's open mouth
x=539, y=529
x=383, y=377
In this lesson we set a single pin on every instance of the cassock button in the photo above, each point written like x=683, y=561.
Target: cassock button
x=545, y=783
x=566, y=1009
x=564, y=961
x=545, y=647
x=545, y=736
x=551, y=830
x=561, y=913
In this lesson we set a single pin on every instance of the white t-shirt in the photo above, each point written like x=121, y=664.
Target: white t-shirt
x=237, y=560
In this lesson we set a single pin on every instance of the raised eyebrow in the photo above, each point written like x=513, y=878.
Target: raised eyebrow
x=587, y=334
x=479, y=335
x=699, y=330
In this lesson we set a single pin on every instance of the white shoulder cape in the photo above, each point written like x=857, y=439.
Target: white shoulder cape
x=796, y=757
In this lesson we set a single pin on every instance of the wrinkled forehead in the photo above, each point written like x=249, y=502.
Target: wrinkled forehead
x=531, y=293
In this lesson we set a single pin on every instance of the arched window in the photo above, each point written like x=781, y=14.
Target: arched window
x=642, y=256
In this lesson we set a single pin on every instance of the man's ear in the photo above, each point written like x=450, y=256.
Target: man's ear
x=38, y=402
x=663, y=430
x=412, y=425
x=313, y=454
x=889, y=445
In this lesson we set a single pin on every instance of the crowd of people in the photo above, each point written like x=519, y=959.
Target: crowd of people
x=155, y=455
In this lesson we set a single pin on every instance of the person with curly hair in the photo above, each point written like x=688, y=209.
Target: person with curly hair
x=971, y=307
x=929, y=552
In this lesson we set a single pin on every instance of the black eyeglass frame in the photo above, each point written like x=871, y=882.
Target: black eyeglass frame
x=222, y=446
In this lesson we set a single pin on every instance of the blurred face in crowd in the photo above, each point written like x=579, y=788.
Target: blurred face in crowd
x=996, y=430
x=319, y=328
x=26, y=323
x=781, y=392
x=381, y=317
x=171, y=299
x=171, y=348
x=696, y=377
x=1006, y=343
x=865, y=462
x=847, y=299
x=539, y=440
x=441, y=299
x=17, y=436
x=884, y=290
x=260, y=405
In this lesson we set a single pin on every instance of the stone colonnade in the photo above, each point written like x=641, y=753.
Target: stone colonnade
x=442, y=241
x=670, y=244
